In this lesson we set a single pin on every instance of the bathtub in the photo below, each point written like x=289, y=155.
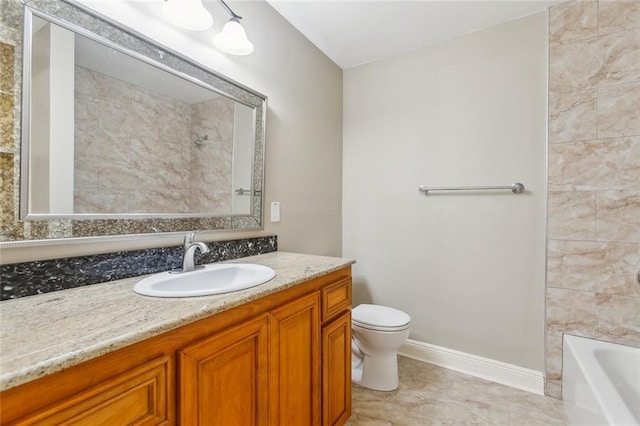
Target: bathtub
x=602, y=381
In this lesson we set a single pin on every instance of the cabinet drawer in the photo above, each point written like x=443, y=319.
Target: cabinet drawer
x=336, y=298
x=138, y=396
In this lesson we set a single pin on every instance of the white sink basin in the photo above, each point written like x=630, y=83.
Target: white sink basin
x=212, y=279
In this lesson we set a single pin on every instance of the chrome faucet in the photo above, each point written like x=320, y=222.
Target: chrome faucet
x=188, y=259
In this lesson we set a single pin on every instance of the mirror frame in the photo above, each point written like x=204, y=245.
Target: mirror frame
x=88, y=23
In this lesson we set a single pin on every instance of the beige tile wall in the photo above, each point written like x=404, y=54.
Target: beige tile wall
x=594, y=176
x=6, y=135
x=135, y=150
x=211, y=161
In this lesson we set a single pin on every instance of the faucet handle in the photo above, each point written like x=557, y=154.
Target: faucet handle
x=189, y=238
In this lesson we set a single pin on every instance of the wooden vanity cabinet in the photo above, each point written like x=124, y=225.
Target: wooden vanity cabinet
x=137, y=396
x=295, y=367
x=336, y=353
x=224, y=378
x=283, y=359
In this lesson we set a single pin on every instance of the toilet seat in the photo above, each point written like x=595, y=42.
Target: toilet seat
x=379, y=318
x=379, y=328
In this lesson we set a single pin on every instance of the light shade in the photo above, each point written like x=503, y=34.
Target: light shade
x=187, y=14
x=233, y=39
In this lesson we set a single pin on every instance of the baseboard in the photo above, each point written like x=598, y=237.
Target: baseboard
x=485, y=368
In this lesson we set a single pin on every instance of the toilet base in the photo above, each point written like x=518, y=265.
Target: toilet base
x=378, y=373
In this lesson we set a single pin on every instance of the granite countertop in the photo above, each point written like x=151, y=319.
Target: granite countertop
x=44, y=334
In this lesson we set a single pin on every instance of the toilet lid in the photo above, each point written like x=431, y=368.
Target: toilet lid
x=379, y=316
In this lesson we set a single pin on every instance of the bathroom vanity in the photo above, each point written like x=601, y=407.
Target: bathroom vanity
x=277, y=354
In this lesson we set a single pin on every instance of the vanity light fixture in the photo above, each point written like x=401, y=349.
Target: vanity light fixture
x=192, y=15
x=187, y=14
x=233, y=39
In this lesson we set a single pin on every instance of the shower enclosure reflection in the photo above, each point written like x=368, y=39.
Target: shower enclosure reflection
x=112, y=135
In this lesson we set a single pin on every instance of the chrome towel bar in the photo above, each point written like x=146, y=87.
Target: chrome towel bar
x=242, y=191
x=516, y=188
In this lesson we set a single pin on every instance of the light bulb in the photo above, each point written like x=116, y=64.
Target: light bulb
x=187, y=14
x=233, y=39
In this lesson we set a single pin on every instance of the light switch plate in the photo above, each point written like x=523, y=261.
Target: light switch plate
x=275, y=211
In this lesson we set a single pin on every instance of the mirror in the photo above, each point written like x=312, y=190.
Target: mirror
x=121, y=135
x=113, y=135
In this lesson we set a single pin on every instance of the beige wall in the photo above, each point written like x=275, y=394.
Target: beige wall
x=304, y=127
x=468, y=268
x=594, y=176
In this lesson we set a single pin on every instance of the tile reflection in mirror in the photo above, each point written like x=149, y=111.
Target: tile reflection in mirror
x=139, y=140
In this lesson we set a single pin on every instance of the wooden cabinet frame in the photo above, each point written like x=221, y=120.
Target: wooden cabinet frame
x=312, y=316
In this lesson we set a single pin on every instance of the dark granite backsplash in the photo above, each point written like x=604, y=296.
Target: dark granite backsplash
x=30, y=278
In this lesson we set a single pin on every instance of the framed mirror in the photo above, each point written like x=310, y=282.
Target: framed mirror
x=123, y=136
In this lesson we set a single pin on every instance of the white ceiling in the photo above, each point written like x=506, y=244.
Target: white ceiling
x=355, y=32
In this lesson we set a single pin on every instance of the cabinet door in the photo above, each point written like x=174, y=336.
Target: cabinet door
x=295, y=351
x=224, y=378
x=336, y=371
x=138, y=396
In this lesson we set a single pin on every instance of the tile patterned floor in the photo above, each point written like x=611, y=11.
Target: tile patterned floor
x=430, y=395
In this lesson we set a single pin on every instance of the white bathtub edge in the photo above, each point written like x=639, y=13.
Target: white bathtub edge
x=580, y=368
x=474, y=365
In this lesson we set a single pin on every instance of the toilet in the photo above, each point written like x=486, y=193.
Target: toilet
x=377, y=334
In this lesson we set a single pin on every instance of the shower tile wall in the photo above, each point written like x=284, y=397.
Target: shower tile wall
x=136, y=150
x=7, y=151
x=211, y=159
x=594, y=176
